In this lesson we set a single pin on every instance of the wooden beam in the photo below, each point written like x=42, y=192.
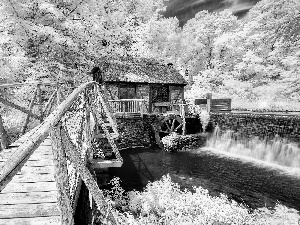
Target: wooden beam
x=49, y=104
x=150, y=109
x=105, y=163
x=58, y=97
x=159, y=104
x=202, y=101
x=39, y=99
x=13, y=105
x=26, y=84
x=208, y=105
x=30, y=109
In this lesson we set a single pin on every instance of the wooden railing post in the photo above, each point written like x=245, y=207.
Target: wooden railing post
x=58, y=99
x=49, y=104
x=208, y=104
x=39, y=97
x=30, y=109
x=61, y=176
x=182, y=114
x=3, y=136
x=88, y=134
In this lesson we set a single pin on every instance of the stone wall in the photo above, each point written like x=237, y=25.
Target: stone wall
x=261, y=125
x=134, y=132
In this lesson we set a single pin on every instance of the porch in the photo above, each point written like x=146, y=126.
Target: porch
x=141, y=106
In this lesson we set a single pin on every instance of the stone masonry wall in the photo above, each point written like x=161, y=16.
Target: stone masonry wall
x=261, y=125
x=134, y=132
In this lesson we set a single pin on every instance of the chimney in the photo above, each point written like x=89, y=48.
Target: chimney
x=187, y=74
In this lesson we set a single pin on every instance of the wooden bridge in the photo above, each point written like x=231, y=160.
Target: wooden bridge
x=41, y=174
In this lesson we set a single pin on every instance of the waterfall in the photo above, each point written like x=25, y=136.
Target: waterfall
x=277, y=151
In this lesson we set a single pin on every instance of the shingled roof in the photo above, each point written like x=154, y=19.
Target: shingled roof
x=140, y=71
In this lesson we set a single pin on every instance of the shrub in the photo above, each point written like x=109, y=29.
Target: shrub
x=163, y=202
x=175, y=142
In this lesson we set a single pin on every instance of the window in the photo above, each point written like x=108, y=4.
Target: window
x=127, y=91
x=160, y=93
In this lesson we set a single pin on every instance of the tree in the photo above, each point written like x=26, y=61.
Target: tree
x=199, y=37
x=61, y=40
x=158, y=38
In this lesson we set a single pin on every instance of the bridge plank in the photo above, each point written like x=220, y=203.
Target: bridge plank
x=33, y=177
x=36, y=210
x=104, y=163
x=36, y=170
x=35, y=163
x=29, y=187
x=28, y=197
x=31, y=196
x=52, y=220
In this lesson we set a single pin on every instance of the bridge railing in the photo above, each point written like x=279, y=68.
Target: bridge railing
x=71, y=129
x=39, y=105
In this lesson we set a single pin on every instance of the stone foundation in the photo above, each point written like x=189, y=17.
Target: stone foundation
x=134, y=132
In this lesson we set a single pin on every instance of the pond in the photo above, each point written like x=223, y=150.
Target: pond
x=247, y=180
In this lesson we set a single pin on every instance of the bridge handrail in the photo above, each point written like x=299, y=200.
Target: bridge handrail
x=10, y=85
x=52, y=124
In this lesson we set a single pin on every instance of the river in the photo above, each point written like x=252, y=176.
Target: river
x=254, y=182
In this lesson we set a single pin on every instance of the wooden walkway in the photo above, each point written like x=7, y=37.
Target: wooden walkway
x=31, y=196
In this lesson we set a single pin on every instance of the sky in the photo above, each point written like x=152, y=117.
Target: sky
x=186, y=9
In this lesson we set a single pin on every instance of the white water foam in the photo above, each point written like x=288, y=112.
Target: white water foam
x=277, y=153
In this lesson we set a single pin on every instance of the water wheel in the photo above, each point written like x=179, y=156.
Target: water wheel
x=167, y=124
x=170, y=123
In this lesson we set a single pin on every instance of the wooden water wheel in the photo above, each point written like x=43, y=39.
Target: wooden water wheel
x=170, y=123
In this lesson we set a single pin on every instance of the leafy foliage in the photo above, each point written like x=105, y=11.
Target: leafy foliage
x=253, y=59
x=163, y=202
x=61, y=40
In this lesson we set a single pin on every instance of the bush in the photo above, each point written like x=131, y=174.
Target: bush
x=175, y=142
x=163, y=202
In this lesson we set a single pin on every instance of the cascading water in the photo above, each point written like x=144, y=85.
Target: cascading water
x=277, y=151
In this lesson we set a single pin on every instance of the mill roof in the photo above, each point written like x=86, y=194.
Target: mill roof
x=141, y=71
